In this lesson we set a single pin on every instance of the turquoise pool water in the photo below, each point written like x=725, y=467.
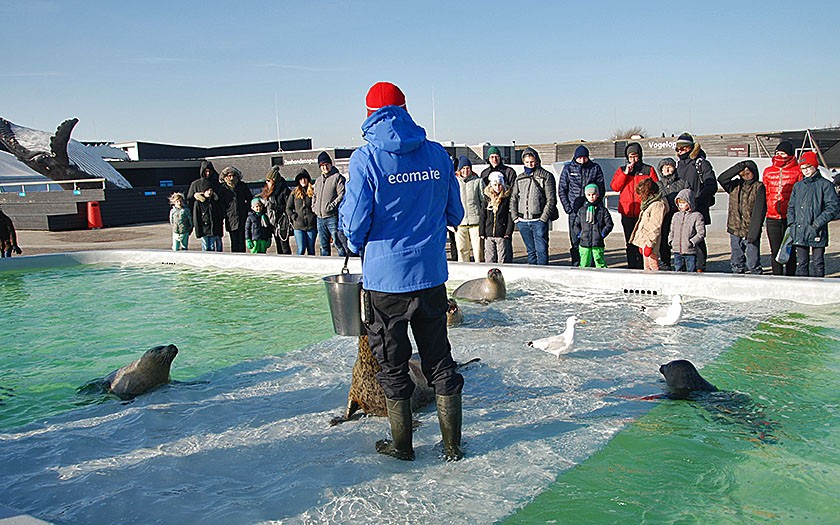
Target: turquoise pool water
x=64, y=327
x=243, y=438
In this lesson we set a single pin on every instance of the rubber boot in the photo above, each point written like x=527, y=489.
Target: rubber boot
x=449, y=416
x=399, y=415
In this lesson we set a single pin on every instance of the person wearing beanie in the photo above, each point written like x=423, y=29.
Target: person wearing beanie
x=494, y=158
x=591, y=225
x=624, y=181
x=257, y=228
x=533, y=205
x=401, y=197
x=472, y=198
x=495, y=225
x=236, y=201
x=745, y=217
x=329, y=191
x=813, y=204
x=697, y=172
x=303, y=219
x=274, y=195
x=576, y=174
x=779, y=178
x=671, y=184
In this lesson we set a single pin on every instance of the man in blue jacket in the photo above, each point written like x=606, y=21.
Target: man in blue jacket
x=400, y=197
x=576, y=175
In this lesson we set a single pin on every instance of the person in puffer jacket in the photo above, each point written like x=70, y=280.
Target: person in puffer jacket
x=399, y=200
x=778, y=179
x=625, y=180
x=745, y=218
x=576, y=175
x=533, y=205
x=591, y=226
x=646, y=235
x=688, y=229
x=257, y=228
x=813, y=203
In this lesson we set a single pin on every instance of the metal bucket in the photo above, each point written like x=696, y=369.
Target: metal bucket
x=344, y=293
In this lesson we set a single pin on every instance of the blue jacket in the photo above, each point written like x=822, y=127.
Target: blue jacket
x=573, y=179
x=813, y=203
x=400, y=197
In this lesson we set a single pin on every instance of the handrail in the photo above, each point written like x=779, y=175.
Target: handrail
x=48, y=183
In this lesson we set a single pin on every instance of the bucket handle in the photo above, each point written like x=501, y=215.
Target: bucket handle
x=346, y=270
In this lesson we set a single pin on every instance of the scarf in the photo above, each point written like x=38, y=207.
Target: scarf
x=651, y=199
x=590, y=214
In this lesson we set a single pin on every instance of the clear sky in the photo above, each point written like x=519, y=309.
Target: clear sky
x=213, y=73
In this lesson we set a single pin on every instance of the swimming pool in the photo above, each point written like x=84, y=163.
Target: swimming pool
x=244, y=437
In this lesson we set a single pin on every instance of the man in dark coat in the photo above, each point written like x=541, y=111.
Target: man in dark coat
x=697, y=172
x=576, y=175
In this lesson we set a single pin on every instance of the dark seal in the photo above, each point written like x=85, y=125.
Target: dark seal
x=683, y=378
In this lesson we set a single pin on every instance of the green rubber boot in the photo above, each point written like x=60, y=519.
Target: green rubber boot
x=449, y=416
x=399, y=415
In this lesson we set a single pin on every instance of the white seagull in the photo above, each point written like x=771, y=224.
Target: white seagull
x=558, y=344
x=666, y=316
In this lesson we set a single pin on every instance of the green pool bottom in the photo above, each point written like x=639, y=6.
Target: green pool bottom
x=681, y=464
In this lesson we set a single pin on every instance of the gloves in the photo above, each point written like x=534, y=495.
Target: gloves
x=249, y=243
x=647, y=251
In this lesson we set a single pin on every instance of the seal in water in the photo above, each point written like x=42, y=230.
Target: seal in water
x=367, y=395
x=491, y=288
x=141, y=376
x=683, y=378
x=454, y=314
x=729, y=408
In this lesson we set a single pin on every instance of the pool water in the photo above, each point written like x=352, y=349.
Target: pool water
x=681, y=464
x=243, y=437
x=65, y=327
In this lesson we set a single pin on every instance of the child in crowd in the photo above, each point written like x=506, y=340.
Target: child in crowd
x=257, y=228
x=592, y=224
x=8, y=237
x=745, y=219
x=495, y=225
x=813, y=203
x=181, y=220
x=687, y=230
x=647, y=233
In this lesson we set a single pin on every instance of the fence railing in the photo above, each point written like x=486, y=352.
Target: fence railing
x=52, y=185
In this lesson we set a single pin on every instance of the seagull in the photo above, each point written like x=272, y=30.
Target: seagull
x=559, y=343
x=666, y=316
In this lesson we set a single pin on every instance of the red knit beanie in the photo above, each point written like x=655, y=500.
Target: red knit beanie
x=809, y=157
x=383, y=94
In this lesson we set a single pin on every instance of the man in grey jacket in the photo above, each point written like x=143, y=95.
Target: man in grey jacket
x=329, y=191
x=533, y=205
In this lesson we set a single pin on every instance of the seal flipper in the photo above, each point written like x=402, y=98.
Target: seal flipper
x=352, y=407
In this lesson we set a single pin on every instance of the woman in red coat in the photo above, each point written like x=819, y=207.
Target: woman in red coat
x=779, y=179
x=624, y=181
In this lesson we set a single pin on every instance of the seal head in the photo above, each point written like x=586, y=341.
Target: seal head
x=683, y=378
x=144, y=374
x=491, y=288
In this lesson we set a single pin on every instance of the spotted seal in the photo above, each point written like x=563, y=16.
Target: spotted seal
x=491, y=288
x=683, y=378
x=367, y=395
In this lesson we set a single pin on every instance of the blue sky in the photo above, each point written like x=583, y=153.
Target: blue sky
x=209, y=73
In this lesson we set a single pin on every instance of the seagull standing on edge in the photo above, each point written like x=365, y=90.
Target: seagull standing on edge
x=559, y=343
x=666, y=316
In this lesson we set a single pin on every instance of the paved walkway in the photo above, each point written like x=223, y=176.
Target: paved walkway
x=158, y=237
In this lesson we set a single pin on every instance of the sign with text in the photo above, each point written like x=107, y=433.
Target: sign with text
x=738, y=150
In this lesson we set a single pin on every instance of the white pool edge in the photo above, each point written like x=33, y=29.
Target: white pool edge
x=723, y=287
